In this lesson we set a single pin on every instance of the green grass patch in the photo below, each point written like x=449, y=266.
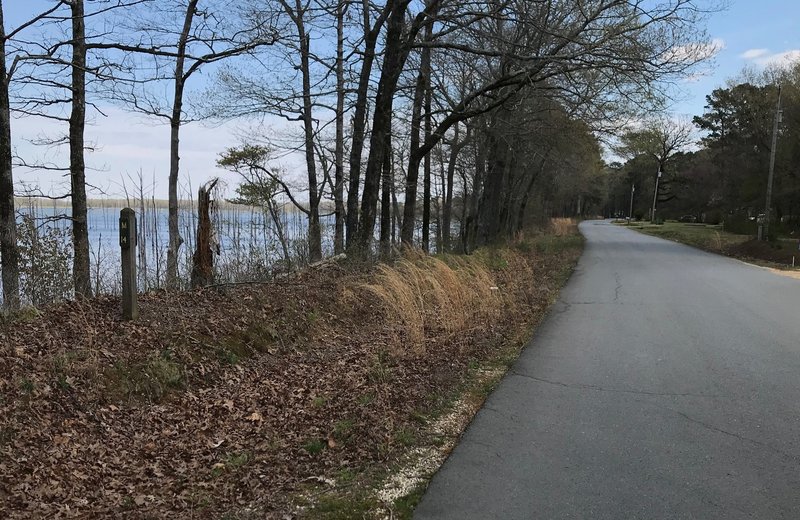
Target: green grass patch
x=555, y=244
x=703, y=236
x=25, y=314
x=366, y=399
x=27, y=386
x=343, y=429
x=232, y=462
x=314, y=446
x=405, y=437
x=353, y=506
x=404, y=506
x=151, y=379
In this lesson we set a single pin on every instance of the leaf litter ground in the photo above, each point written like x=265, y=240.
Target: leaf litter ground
x=230, y=402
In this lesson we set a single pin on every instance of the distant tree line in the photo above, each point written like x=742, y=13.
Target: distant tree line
x=724, y=176
x=443, y=124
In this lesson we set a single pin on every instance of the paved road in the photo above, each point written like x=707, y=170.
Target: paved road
x=664, y=385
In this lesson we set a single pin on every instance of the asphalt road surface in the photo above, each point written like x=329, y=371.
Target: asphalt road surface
x=665, y=384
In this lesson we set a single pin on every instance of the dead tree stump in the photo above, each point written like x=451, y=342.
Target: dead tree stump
x=203, y=258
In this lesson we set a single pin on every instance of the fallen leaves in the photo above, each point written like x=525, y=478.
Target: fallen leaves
x=207, y=406
x=255, y=417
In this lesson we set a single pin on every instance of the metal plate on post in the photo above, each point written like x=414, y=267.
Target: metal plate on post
x=124, y=239
x=127, y=228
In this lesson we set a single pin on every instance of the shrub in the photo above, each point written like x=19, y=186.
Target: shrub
x=740, y=224
x=45, y=257
x=712, y=217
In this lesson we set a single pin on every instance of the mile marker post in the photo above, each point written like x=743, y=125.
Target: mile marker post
x=127, y=243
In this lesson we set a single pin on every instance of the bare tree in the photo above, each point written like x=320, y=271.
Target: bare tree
x=602, y=56
x=77, y=165
x=297, y=14
x=8, y=225
x=658, y=140
x=9, y=252
x=399, y=34
x=61, y=48
x=338, y=190
x=209, y=32
x=371, y=32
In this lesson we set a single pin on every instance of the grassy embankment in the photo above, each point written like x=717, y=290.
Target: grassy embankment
x=777, y=254
x=332, y=395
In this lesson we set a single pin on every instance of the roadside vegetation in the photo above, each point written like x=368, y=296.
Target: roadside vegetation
x=304, y=397
x=780, y=253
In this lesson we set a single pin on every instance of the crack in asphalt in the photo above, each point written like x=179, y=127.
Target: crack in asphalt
x=495, y=410
x=618, y=288
x=492, y=449
x=713, y=428
x=612, y=390
x=705, y=425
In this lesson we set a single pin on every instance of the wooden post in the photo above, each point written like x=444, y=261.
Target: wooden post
x=127, y=243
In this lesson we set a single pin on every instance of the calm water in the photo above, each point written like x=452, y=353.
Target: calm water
x=249, y=246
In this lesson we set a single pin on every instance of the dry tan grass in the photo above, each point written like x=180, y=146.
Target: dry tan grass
x=420, y=294
x=716, y=241
x=563, y=226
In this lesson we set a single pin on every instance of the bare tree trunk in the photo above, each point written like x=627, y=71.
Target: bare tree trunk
x=394, y=57
x=175, y=239
x=386, y=200
x=412, y=176
x=314, y=229
x=447, y=210
x=395, y=204
x=439, y=200
x=142, y=241
x=421, y=95
x=360, y=120
x=426, y=179
x=203, y=259
x=488, y=217
x=463, y=225
x=523, y=205
x=471, y=228
x=273, y=209
x=9, y=253
x=77, y=122
x=338, y=191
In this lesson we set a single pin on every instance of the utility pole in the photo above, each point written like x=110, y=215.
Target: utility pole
x=765, y=234
x=630, y=211
x=655, y=198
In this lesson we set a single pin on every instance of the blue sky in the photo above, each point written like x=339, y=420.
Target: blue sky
x=752, y=33
x=749, y=33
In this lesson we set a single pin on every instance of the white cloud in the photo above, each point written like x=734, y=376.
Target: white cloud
x=752, y=54
x=695, y=52
x=765, y=58
x=781, y=59
x=716, y=45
